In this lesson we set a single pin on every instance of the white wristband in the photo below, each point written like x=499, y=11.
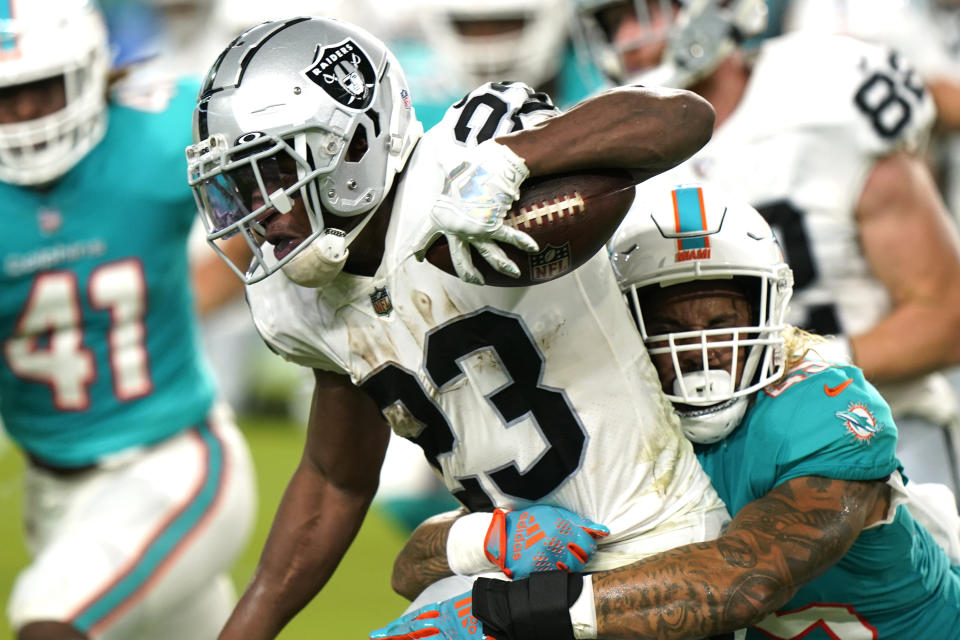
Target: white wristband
x=583, y=613
x=465, y=545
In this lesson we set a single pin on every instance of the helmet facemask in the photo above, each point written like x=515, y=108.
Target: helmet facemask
x=496, y=40
x=695, y=245
x=63, y=43
x=716, y=370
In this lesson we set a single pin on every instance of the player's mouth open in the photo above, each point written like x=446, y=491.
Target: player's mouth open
x=283, y=246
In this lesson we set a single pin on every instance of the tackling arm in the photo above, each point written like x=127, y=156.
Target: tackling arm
x=773, y=546
x=913, y=249
x=423, y=559
x=645, y=130
x=321, y=510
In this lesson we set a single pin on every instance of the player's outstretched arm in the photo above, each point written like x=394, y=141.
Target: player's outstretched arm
x=773, y=546
x=913, y=248
x=644, y=130
x=321, y=510
x=423, y=559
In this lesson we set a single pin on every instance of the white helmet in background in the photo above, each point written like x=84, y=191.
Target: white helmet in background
x=497, y=40
x=307, y=107
x=698, y=35
x=52, y=40
x=693, y=232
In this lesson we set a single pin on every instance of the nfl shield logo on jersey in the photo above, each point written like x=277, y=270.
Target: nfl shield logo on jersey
x=344, y=71
x=550, y=263
x=380, y=300
x=49, y=220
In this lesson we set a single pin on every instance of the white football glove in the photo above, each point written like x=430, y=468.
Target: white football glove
x=476, y=196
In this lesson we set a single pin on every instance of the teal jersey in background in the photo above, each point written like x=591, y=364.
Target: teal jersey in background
x=432, y=92
x=100, y=348
x=827, y=420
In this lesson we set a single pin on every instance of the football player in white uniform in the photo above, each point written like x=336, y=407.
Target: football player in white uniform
x=307, y=142
x=819, y=133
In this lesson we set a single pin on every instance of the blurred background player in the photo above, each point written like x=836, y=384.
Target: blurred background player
x=138, y=490
x=822, y=134
x=449, y=47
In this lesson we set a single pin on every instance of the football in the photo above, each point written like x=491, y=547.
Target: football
x=570, y=215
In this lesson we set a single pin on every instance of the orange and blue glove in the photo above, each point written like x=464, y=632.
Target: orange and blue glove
x=541, y=538
x=451, y=619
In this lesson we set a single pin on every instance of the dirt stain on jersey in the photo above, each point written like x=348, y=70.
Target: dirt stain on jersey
x=373, y=346
x=424, y=306
x=402, y=421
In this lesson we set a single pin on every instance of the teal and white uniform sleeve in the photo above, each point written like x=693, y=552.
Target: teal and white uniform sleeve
x=823, y=420
x=826, y=420
x=96, y=312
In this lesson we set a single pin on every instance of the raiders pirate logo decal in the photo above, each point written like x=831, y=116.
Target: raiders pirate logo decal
x=344, y=71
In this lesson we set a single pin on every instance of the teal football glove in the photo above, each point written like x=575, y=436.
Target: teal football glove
x=448, y=620
x=541, y=538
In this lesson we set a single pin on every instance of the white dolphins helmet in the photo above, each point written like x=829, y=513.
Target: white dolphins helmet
x=48, y=40
x=694, y=232
x=525, y=40
x=699, y=35
x=307, y=107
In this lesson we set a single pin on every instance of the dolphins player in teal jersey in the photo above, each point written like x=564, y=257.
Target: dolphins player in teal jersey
x=138, y=493
x=822, y=544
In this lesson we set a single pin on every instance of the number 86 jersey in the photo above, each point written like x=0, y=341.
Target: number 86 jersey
x=516, y=395
x=817, y=113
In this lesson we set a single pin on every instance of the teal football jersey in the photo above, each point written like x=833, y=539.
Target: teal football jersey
x=827, y=420
x=100, y=349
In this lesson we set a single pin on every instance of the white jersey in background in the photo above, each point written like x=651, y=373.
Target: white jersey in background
x=516, y=395
x=817, y=113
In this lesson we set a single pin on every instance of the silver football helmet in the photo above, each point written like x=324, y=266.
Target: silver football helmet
x=694, y=232
x=53, y=41
x=309, y=108
x=496, y=39
x=696, y=35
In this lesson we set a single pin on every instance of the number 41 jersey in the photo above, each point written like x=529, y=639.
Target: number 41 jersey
x=516, y=395
x=100, y=351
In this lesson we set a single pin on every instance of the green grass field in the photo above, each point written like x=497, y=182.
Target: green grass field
x=356, y=600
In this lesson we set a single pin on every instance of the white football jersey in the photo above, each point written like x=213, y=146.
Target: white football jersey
x=516, y=395
x=817, y=113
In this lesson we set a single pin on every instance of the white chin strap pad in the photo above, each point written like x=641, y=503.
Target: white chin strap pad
x=319, y=262
x=712, y=385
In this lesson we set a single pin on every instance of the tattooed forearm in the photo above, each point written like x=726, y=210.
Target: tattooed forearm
x=423, y=560
x=773, y=546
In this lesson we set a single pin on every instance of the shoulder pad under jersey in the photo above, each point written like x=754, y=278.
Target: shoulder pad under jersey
x=494, y=109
